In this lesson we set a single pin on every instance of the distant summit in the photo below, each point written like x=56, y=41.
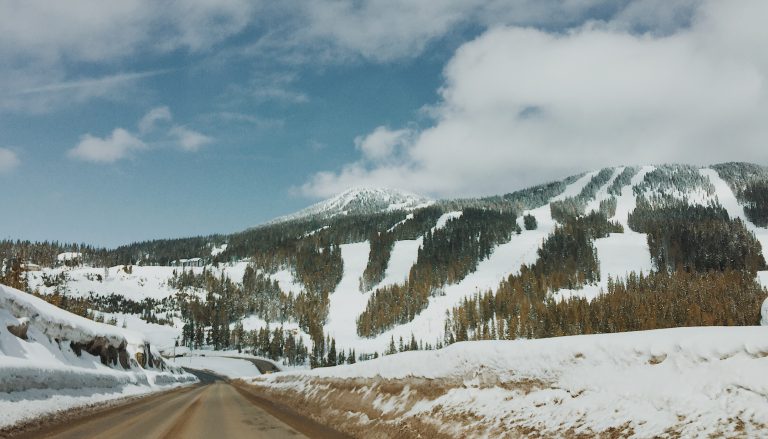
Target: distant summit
x=359, y=201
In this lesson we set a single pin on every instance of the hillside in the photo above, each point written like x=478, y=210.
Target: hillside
x=374, y=272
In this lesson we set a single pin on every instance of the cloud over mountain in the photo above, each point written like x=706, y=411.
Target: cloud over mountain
x=519, y=105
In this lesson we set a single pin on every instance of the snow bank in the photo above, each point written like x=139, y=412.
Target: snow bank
x=695, y=382
x=44, y=353
x=56, y=323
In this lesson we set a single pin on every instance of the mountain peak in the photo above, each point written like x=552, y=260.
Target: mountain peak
x=359, y=200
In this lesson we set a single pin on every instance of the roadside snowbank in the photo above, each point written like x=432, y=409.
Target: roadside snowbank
x=691, y=381
x=51, y=360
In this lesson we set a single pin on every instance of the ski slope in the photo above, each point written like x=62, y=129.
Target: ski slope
x=619, y=253
x=403, y=257
x=729, y=202
x=428, y=325
x=347, y=302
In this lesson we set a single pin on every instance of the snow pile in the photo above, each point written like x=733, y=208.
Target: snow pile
x=51, y=359
x=695, y=382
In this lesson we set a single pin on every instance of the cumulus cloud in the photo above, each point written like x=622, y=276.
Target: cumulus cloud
x=522, y=105
x=153, y=116
x=8, y=160
x=118, y=145
x=189, y=140
x=121, y=143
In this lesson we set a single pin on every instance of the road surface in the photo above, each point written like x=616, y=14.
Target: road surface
x=213, y=409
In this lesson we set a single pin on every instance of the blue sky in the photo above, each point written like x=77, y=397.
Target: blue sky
x=252, y=110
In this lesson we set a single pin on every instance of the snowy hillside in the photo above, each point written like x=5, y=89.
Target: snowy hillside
x=358, y=201
x=682, y=382
x=51, y=360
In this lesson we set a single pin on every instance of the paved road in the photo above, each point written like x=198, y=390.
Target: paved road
x=214, y=409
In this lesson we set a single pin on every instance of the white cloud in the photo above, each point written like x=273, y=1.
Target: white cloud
x=94, y=30
x=189, y=140
x=520, y=105
x=382, y=143
x=44, y=43
x=153, y=116
x=386, y=30
x=119, y=145
x=8, y=160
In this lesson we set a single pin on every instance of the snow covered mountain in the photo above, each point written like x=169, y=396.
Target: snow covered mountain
x=359, y=201
x=293, y=268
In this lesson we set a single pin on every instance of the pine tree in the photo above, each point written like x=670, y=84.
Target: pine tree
x=332, y=358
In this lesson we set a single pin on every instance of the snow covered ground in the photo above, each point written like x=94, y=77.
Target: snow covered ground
x=42, y=372
x=141, y=283
x=159, y=336
x=695, y=382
